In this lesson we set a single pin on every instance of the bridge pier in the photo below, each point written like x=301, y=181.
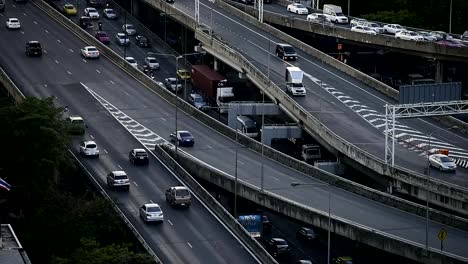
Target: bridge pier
x=215, y=64
x=439, y=71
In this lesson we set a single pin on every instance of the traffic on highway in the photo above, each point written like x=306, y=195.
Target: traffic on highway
x=117, y=108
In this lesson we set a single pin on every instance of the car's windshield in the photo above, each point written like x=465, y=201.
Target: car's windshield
x=445, y=159
x=152, y=60
x=154, y=209
x=102, y=34
x=185, y=134
x=141, y=154
x=300, y=6
x=130, y=27
x=121, y=177
x=69, y=7
x=91, y=146
x=131, y=60
x=288, y=49
x=34, y=45
x=199, y=100
x=183, y=192
x=281, y=242
x=92, y=49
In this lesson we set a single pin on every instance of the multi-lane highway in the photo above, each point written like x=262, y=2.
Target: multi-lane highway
x=187, y=236
x=351, y=109
x=59, y=73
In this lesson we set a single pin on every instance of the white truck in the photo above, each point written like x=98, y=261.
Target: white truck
x=310, y=152
x=335, y=14
x=293, y=77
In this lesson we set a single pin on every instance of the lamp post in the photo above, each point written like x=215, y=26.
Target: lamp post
x=297, y=184
x=450, y=17
x=428, y=174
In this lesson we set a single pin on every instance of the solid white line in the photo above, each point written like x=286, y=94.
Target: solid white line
x=188, y=243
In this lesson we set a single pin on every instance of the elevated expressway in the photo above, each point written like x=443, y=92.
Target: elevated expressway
x=187, y=236
x=343, y=109
x=132, y=99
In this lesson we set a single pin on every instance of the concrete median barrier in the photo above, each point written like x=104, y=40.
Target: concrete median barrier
x=212, y=203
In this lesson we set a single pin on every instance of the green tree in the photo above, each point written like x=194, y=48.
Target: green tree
x=91, y=252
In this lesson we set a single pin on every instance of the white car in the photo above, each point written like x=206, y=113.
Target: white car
x=90, y=52
x=132, y=61
x=427, y=36
x=129, y=29
x=442, y=162
x=151, y=63
x=91, y=12
x=89, y=148
x=173, y=84
x=409, y=35
x=357, y=22
x=13, y=23
x=393, y=28
x=319, y=18
x=362, y=29
x=298, y=9
x=109, y=13
x=151, y=212
x=374, y=26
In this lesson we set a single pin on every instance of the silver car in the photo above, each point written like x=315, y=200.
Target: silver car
x=151, y=63
x=129, y=29
x=442, y=162
x=173, y=84
x=89, y=148
x=151, y=212
x=122, y=39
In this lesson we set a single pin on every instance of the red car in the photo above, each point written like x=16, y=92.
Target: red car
x=103, y=37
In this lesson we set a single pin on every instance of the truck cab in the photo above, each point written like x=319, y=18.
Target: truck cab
x=335, y=14
x=247, y=126
x=310, y=152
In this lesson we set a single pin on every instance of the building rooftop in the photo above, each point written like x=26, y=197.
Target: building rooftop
x=11, y=251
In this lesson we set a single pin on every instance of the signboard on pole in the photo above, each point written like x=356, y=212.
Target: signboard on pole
x=252, y=223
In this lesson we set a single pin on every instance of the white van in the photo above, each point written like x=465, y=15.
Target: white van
x=247, y=126
x=334, y=13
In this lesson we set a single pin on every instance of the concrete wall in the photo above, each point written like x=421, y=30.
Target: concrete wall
x=421, y=48
x=309, y=215
x=11, y=87
x=405, y=180
x=214, y=205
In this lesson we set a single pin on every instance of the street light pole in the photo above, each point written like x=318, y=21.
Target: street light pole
x=297, y=184
x=450, y=17
x=235, y=175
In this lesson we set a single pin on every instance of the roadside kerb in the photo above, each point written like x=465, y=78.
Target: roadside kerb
x=212, y=203
x=340, y=226
x=457, y=195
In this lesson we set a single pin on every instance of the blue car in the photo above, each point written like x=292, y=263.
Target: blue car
x=182, y=138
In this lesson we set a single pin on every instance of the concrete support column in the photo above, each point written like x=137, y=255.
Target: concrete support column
x=215, y=64
x=439, y=72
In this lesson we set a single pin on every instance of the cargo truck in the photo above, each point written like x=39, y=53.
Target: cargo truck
x=213, y=86
x=293, y=78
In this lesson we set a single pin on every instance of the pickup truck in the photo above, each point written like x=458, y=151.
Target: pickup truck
x=178, y=195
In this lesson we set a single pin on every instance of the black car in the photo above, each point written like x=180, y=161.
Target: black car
x=286, y=52
x=142, y=41
x=138, y=156
x=266, y=223
x=85, y=22
x=97, y=3
x=277, y=247
x=306, y=234
x=33, y=48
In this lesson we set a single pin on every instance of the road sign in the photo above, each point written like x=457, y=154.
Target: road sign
x=442, y=234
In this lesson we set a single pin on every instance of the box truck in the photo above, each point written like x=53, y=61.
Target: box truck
x=213, y=86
